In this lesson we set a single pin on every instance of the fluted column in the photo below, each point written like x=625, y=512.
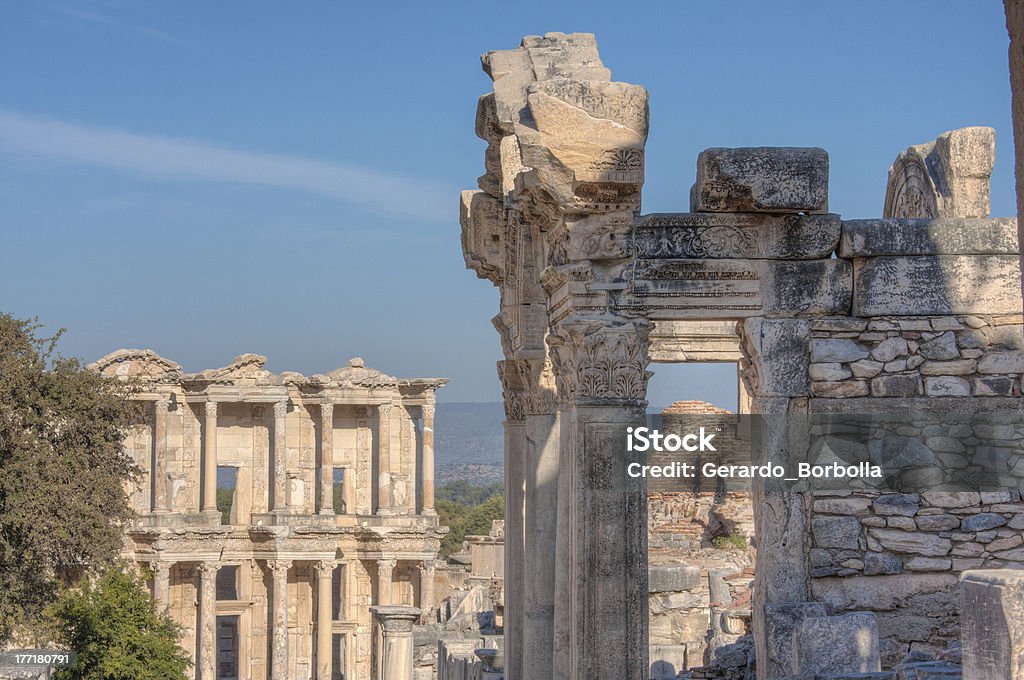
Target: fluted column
x=427, y=589
x=327, y=458
x=162, y=584
x=396, y=653
x=280, y=457
x=428, y=460
x=206, y=630
x=279, y=619
x=384, y=499
x=385, y=568
x=324, y=630
x=160, y=500
x=210, y=458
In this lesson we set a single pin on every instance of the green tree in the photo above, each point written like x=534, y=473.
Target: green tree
x=467, y=520
x=225, y=498
x=114, y=626
x=62, y=471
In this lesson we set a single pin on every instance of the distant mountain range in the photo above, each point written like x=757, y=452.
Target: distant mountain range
x=469, y=433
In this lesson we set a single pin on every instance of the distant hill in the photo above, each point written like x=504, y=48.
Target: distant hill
x=469, y=432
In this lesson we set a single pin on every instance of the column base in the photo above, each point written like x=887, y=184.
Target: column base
x=326, y=511
x=429, y=512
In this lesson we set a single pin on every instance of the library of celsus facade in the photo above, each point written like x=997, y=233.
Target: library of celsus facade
x=331, y=513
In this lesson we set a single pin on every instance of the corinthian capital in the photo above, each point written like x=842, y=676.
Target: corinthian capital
x=601, y=360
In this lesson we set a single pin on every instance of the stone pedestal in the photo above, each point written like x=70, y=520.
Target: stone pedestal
x=395, y=650
x=992, y=624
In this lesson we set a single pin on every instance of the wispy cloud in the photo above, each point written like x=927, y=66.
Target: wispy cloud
x=187, y=159
x=97, y=18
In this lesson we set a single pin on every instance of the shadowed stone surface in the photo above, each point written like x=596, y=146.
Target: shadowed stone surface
x=761, y=179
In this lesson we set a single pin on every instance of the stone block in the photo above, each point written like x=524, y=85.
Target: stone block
x=672, y=578
x=944, y=236
x=882, y=563
x=941, y=347
x=916, y=543
x=840, y=390
x=779, y=354
x=992, y=624
x=994, y=386
x=836, y=532
x=782, y=620
x=837, y=644
x=947, y=386
x=1001, y=362
x=948, y=177
x=667, y=661
x=896, y=386
x=937, y=522
x=829, y=372
x=904, y=504
x=836, y=350
x=842, y=506
x=936, y=285
x=761, y=179
x=982, y=521
x=865, y=368
x=954, y=367
x=736, y=235
x=889, y=349
x=807, y=287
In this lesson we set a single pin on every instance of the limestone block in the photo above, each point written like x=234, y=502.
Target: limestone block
x=1001, y=362
x=837, y=644
x=836, y=350
x=782, y=620
x=778, y=355
x=945, y=236
x=740, y=235
x=947, y=386
x=808, y=287
x=936, y=285
x=672, y=578
x=937, y=522
x=930, y=545
x=829, y=371
x=836, y=532
x=949, y=177
x=992, y=624
x=667, y=661
x=882, y=563
x=761, y=179
x=896, y=386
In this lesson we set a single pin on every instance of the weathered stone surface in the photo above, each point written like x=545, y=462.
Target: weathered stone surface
x=937, y=523
x=830, y=371
x=879, y=593
x=905, y=504
x=947, y=386
x=941, y=347
x=807, y=287
x=672, y=578
x=882, y=563
x=992, y=624
x=842, y=506
x=982, y=521
x=830, y=350
x=782, y=621
x=1001, y=362
x=736, y=235
x=836, y=532
x=761, y=179
x=949, y=177
x=937, y=285
x=871, y=238
x=896, y=386
x=840, y=390
x=779, y=355
x=919, y=543
x=928, y=564
x=951, y=499
x=954, y=367
x=837, y=644
x=889, y=349
x=865, y=368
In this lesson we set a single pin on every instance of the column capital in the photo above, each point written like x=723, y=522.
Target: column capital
x=387, y=563
x=325, y=568
x=384, y=410
x=162, y=404
x=210, y=408
x=428, y=411
x=599, y=362
x=278, y=566
x=281, y=408
x=208, y=570
x=396, y=618
x=327, y=407
x=160, y=567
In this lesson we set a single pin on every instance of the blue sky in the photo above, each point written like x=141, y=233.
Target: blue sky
x=207, y=179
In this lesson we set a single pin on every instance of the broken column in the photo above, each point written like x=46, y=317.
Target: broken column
x=395, y=654
x=992, y=624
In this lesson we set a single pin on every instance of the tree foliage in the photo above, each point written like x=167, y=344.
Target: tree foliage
x=62, y=471
x=114, y=626
x=469, y=518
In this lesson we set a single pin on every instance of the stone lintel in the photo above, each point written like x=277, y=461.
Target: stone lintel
x=937, y=285
x=941, y=236
x=736, y=235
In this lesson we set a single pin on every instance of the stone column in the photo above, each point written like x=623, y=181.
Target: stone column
x=395, y=654
x=385, y=568
x=280, y=457
x=428, y=460
x=348, y=490
x=384, y=499
x=279, y=619
x=992, y=623
x=161, y=503
x=327, y=458
x=162, y=584
x=1015, y=26
x=515, y=480
x=601, y=582
x=206, y=630
x=210, y=459
x=324, y=629
x=426, y=589
x=542, y=451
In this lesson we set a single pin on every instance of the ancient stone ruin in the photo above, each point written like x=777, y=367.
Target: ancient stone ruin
x=918, y=312
x=332, y=511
